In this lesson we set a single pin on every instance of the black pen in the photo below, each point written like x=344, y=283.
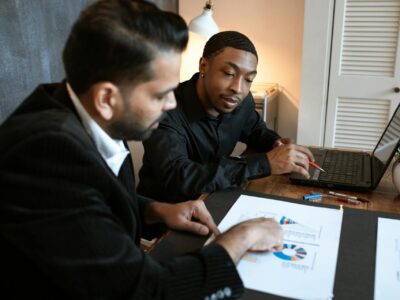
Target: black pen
x=349, y=197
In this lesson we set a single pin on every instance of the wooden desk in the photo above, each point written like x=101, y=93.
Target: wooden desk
x=384, y=198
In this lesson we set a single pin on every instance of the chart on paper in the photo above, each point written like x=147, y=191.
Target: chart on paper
x=301, y=245
x=387, y=269
x=309, y=254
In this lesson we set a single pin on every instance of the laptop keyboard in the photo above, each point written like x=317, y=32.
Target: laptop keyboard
x=342, y=167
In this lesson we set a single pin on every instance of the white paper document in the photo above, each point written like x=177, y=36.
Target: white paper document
x=387, y=264
x=305, y=268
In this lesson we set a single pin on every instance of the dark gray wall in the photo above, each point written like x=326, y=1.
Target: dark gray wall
x=171, y=5
x=32, y=35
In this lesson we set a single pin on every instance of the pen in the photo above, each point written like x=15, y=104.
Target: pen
x=313, y=164
x=312, y=196
x=349, y=196
x=345, y=199
x=338, y=198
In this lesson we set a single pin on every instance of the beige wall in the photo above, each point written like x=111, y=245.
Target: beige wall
x=276, y=29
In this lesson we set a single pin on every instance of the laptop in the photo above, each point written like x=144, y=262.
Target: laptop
x=354, y=170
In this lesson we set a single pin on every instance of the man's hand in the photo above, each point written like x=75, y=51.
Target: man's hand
x=261, y=234
x=287, y=157
x=191, y=216
x=282, y=141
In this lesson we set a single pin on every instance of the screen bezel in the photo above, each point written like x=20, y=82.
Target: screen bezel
x=378, y=169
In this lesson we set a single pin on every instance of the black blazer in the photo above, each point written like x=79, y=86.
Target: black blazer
x=69, y=228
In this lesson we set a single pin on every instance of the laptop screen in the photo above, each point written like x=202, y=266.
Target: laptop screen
x=386, y=146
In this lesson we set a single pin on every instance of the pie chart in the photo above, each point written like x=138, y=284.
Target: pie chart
x=291, y=252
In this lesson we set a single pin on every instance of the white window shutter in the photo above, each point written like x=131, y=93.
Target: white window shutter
x=360, y=122
x=364, y=72
x=370, y=37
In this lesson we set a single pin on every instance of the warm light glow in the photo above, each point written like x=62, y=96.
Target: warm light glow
x=191, y=56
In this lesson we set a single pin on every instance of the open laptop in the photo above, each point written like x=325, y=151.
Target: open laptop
x=354, y=170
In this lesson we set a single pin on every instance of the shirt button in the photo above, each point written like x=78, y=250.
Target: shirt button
x=220, y=294
x=227, y=292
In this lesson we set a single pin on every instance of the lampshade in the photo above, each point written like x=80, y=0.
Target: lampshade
x=204, y=24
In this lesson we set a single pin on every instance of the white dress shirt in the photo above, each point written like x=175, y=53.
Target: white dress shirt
x=113, y=151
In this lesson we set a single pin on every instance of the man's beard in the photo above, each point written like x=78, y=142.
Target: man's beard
x=127, y=129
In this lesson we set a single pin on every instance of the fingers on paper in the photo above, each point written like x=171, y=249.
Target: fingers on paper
x=202, y=217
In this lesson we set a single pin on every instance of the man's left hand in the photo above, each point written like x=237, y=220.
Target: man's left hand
x=191, y=216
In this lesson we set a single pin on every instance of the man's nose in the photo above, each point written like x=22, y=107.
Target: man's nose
x=236, y=85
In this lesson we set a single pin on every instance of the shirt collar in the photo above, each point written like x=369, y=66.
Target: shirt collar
x=189, y=100
x=113, y=151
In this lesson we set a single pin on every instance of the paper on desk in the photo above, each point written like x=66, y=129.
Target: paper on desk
x=387, y=264
x=305, y=269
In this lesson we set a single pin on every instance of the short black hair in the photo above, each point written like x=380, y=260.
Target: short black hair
x=116, y=40
x=221, y=40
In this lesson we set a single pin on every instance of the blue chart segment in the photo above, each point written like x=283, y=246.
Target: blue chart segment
x=291, y=252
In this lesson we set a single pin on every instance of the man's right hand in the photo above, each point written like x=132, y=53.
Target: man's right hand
x=290, y=158
x=261, y=234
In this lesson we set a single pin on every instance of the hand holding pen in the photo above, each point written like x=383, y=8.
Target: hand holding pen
x=310, y=157
x=285, y=141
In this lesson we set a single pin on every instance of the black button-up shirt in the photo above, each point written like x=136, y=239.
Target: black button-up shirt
x=189, y=154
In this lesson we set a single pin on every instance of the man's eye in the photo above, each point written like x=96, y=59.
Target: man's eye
x=249, y=80
x=160, y=97
x=229, y=74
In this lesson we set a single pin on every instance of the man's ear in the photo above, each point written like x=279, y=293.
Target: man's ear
x=202, y=65
x=105, y=97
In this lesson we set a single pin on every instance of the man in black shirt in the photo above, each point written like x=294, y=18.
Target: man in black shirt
x=189, y=154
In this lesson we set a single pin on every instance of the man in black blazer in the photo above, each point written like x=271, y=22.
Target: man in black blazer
x=71, y=221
